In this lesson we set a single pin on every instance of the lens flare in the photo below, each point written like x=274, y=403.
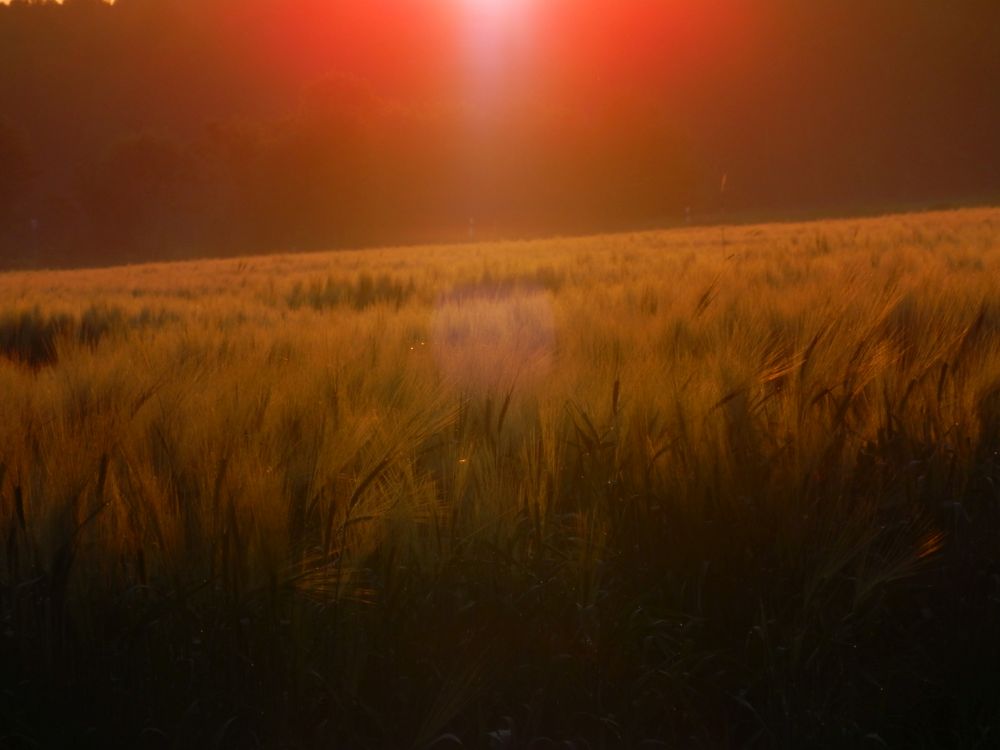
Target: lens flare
x=487, y=339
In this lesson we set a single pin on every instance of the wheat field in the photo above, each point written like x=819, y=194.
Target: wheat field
x=689, y=488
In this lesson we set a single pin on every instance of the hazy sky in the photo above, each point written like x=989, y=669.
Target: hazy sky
x=550, y=113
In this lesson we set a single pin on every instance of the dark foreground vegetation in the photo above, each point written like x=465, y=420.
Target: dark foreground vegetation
x=290, y=503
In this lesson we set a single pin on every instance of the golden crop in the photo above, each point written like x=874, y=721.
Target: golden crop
x=349, y=433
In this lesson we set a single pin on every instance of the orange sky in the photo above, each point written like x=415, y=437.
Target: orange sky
x=579, y=112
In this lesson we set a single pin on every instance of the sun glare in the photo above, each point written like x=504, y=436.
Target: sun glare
x=492, y=30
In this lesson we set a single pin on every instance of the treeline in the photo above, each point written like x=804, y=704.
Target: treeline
x=333, y=175
x=165, y=128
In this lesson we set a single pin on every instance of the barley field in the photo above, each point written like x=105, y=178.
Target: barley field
x=695, y=488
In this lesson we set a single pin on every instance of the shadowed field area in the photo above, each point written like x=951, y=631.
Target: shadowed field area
x=700, y=488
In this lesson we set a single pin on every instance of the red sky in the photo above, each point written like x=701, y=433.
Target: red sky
x=615, y=112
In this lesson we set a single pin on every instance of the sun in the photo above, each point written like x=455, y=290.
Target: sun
x=490, y=29
x=494, y=8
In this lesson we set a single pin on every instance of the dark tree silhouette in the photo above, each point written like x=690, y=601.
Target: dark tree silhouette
x=16, y=173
